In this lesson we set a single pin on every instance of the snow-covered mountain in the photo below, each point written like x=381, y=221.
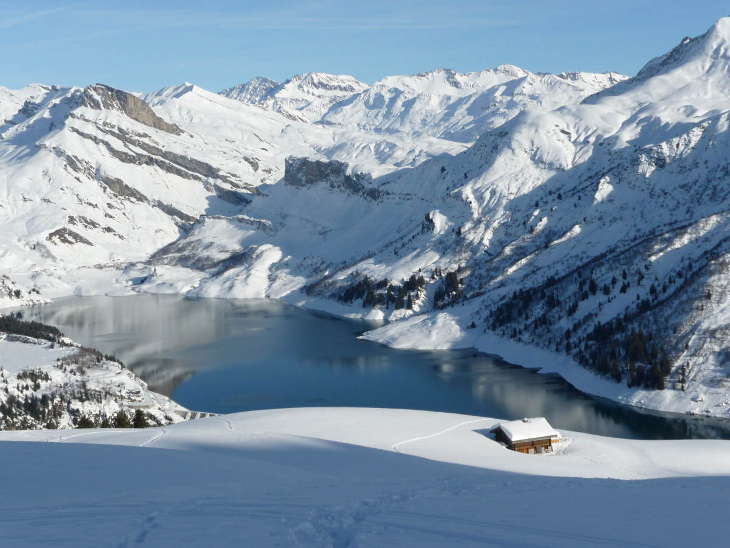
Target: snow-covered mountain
x=253, y=92
x=304, y=97
x=460, y=107
x=442, y=103
x=19, y=103
x=599, y=230
x=589, y=218
x=93, y=176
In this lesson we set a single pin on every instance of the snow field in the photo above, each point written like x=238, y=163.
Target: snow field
x=330, y=477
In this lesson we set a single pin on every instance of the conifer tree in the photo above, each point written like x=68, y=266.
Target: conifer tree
x=140, y=419
x=121, y=420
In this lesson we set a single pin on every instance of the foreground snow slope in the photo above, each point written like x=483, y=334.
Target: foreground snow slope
x=355, y=477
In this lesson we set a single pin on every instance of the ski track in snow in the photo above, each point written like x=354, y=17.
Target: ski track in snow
x=62, y=438
x=138, y=538
x=154, y=438
x=396, y=446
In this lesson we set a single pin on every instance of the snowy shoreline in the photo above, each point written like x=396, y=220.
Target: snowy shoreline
x=441, y=331
x=59, y=384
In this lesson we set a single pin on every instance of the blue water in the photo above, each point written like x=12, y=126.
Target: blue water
x=225, y=356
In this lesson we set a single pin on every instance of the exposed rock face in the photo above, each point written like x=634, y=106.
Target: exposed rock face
x=252, y=92
x=121, y=189
x=171, y=162
x=100, y=96
x=304, y=172
x=13, y=295
x=67, y=236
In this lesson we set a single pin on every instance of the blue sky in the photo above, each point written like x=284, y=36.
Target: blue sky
x=144, y=45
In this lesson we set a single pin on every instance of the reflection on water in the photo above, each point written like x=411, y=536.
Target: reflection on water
x=225, y=356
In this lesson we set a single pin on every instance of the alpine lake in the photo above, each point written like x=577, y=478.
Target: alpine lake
x=224, y=356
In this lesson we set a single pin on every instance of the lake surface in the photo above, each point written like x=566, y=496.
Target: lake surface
x=225, y=356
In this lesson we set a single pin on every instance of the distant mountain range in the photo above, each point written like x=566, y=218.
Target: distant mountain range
x=582, y=214
x=442, y=103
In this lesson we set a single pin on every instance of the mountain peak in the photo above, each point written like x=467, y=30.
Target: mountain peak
x=262, y=80
x=513, y=70
x=323, y=81
x=172, y=92
x=252, y=92
x=303, y=97
x=696, y=68
x=714, y=45
x=721, y=28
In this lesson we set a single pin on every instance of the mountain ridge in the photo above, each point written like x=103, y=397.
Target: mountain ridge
x=386, y=106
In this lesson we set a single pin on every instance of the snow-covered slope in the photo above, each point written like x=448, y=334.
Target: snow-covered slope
x=273, y=136
x=18, y=104
x=355, y=477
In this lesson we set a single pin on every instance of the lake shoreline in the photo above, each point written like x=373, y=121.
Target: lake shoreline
x=465, y=356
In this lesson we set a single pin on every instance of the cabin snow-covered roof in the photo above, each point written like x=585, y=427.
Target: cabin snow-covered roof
x=528, y=429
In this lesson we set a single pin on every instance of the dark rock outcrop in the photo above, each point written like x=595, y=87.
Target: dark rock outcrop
x=121, y=189
x=67, y=236
x=303, y=172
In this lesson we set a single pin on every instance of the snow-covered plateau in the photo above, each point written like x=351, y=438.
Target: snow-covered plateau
x=355, y=477
x=575, y=222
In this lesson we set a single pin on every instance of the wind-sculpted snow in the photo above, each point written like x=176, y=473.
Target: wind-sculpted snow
x=593, y=232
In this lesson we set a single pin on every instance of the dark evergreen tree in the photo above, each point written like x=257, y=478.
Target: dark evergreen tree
x=121, y=420
x=85, y=422
x=140, y=419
